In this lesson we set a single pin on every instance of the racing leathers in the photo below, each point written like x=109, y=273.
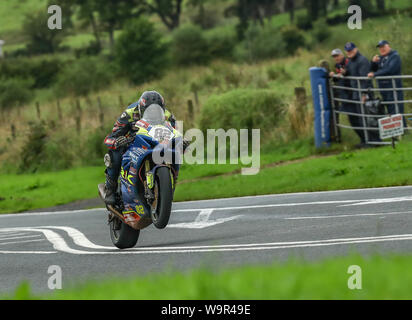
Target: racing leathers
x=118, y=141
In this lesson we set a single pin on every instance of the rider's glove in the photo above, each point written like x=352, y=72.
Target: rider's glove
x=123, y=141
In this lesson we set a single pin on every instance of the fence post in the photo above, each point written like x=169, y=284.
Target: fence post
x=190, y=111
x=121, y=102
x=101, y=113
x=38, y=110
x=318, y=79
x=59, y=111
x=13, y=131
x=78, y=116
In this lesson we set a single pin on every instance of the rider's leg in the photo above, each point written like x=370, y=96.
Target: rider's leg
x=112, y=176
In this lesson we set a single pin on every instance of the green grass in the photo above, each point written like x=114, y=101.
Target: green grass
x=25, y=192
x=386, y=277
x=379, y=167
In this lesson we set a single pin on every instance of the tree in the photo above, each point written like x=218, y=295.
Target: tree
x=168, y=11
x=380, y=4
x=109, y=15
x=290, y=7
x=140, y=51
x=40, y=38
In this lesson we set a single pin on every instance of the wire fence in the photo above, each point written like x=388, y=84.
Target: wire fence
x=366, y=100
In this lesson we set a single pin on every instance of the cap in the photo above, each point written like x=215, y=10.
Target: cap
x=382, y=43
x=336, y=52
x=350, y=46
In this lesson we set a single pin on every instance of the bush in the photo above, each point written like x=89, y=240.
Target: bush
x=221, y=42
x=304, y=22
x=83, y=76
x=42, y=71
x=293, y=39
x=140, y=51
x=190, y=46
x=242, y=109
x=15, y=92
x=321, y=32
x=260, y=43
x=41, y=38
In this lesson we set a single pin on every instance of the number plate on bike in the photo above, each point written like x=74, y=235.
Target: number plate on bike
x=161, y=133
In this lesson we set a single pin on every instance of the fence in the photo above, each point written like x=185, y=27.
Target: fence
x=365, y=86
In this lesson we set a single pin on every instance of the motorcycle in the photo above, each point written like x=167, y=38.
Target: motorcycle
x=149, y=171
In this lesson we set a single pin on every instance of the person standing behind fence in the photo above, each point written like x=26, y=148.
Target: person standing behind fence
x=358, y=66
x=388, y=64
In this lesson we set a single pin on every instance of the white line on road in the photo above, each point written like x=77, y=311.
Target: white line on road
x=14, y=242
x=347, y=215
x=23, y=237
x=60, y=244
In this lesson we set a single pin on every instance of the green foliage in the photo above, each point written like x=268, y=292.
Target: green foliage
x=141, y=52
x=43, y=71
x=293, y=39
x=304, y=22
x=221, y=42
x=15, y=92
x=260, y=43
x=190, y=46
x=41, y=38
x=242, y=109
x=321, y=32
x=386, y=278
x=83, y=76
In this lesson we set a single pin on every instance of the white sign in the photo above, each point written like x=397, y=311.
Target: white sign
x=391, y=126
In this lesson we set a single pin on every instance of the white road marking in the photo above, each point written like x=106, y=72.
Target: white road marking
x=202, y=221
x=377, y=201
x=12, y=238
x=347, y=215
x=60, y=244
x=26, y=252
x=24, y=241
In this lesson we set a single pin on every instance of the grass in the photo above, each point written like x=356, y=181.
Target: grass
x=380, y=167
x=386, y=277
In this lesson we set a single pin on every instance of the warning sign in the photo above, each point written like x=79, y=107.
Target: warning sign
x=391, y=126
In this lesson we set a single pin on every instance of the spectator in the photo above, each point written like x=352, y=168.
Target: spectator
x=388, y=64
x=359, y=66
x=338, y=77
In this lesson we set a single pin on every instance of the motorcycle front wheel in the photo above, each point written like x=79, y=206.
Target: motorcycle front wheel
x=163, y=190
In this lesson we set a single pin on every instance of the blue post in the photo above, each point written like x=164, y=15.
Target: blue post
x=318, y=80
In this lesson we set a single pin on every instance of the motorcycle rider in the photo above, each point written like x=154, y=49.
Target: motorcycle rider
x=121, y=137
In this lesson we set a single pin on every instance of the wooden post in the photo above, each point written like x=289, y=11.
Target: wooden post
x=38, y=110
x=121, y=102
x=78, y=116
x=59, y=111
x=101, y=113
x=13, y=131
x=190, y=112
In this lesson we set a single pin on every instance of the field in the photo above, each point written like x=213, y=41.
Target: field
x=285, y=170
x=294, y=279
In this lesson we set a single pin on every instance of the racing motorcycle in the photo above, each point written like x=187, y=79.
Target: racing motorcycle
x=149, y=172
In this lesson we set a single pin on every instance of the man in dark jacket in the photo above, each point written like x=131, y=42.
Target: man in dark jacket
x=388, y=64
x=358, y=66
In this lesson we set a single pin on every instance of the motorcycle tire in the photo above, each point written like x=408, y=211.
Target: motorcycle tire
x=123, y=236
x=164, y=197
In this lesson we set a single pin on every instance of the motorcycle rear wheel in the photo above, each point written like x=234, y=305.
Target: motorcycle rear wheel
x=123, y=236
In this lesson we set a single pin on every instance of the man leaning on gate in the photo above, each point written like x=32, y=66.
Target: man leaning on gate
x=389, y=63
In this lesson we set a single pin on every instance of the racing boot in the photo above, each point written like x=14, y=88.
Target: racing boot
x=110, y=188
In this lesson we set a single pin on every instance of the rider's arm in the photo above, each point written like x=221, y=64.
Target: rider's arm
x=121, y=128
x=171, y=118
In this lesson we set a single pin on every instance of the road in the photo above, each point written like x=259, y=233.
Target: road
x=210, y=233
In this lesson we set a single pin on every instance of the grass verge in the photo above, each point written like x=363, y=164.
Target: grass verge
x=380, y=167
x=386, y=277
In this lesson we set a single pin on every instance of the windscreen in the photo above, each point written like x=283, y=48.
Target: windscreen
x=154, y=115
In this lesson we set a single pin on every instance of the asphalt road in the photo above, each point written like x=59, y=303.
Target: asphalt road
x=211, y=234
